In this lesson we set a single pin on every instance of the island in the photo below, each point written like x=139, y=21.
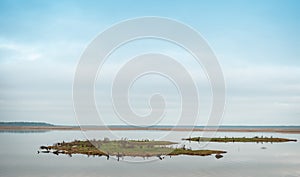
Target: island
x=122, y=148
x=241, y=139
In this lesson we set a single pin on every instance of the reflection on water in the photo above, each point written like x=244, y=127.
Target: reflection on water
x=19, y=157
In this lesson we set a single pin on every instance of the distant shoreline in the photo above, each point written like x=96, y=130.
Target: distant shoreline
x=123, y=128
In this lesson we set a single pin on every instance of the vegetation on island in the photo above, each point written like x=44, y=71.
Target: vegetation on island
x=122, y=148
x=241, y=139
x=146, y=148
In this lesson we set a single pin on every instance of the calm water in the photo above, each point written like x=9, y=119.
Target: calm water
x=18, y=157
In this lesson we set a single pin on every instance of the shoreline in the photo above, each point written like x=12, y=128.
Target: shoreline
x=113, y=128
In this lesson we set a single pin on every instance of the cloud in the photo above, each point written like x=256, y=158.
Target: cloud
x=256, y=94
x=14, y=52
x=258, y=51
x=262, y=94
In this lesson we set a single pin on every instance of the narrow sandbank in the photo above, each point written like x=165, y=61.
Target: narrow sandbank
x=116, y=128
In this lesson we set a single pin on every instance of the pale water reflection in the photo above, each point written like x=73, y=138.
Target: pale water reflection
x=19, y=157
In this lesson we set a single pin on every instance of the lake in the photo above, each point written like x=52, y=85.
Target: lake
x=19, y=157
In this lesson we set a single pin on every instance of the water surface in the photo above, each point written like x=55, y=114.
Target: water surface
x=18, y=157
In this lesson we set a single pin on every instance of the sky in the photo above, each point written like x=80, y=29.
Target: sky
x=257, y=44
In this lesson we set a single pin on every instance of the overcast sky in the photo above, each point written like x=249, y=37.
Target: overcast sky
x=257, y=44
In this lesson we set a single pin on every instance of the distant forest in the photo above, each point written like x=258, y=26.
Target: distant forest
x=25, y=124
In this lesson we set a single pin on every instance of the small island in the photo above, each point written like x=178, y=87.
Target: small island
x=255, y=139
x=122, y=148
